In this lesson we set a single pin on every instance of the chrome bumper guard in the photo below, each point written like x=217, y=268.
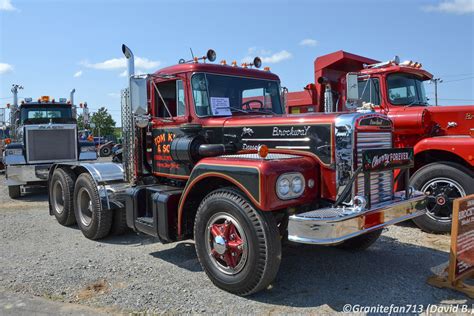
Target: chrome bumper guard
x=330, y=226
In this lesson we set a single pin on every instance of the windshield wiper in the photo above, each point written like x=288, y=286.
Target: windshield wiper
x=267, y=111
x=232, y=109
x=414, y=102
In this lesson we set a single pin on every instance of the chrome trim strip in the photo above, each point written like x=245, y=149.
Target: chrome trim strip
x=292, y=147
x=306, y=139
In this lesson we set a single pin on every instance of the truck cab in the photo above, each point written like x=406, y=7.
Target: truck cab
x=42, y=132
x=209, y=154
x=442, y=136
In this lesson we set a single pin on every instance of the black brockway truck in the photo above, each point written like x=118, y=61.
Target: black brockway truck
x=208, y=154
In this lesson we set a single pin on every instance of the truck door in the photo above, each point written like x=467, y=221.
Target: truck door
x=170, y=111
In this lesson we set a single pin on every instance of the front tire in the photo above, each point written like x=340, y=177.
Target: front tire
x=61, y=196
x=444, y=182
x=14, y=191
x=238, y=246
x=93, y=221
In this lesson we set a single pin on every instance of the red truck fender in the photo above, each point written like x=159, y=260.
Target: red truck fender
x=256, y=178
x=460, y=146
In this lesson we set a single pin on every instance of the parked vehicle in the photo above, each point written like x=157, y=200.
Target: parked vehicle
x=42, y=133
x=209, y=154
x=4, y=135
x=117, y=151
x=98, y=141
x=105, y=150
x=442, y=136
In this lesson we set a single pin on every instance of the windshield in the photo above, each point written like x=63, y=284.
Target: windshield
x=406, y=89
x=45, y=113
x=219, y=95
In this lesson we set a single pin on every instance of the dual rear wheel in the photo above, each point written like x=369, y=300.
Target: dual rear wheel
x=75, y=199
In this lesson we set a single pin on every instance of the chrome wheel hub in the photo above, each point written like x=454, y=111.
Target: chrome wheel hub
x=442, y=192
x=226, y=243
x=58, y=197
x=84, y=206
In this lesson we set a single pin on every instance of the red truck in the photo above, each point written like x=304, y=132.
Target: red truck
x=442, y=136
x=209, y=154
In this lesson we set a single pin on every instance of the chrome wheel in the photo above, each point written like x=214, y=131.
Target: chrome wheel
x=58, y=197
x=226, y=243
x=84, y=206
x=442, y=192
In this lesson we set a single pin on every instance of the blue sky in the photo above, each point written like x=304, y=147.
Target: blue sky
x=52, y=46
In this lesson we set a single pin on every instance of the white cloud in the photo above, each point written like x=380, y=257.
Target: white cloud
x=277, y=57
x=309, y=42
x=123, y=73
x=121, y=63
x=78, y=74
x=452, y=6
x=266, y=56
x=113, y=95
x=6, y=5
x=5, y=68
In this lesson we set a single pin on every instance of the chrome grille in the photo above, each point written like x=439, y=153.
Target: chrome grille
x=381, y=188
x=51, y=144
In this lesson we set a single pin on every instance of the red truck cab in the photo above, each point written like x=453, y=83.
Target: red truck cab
x=209, y=154
x=442, y=136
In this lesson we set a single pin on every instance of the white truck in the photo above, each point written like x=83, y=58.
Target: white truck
x=42, y=132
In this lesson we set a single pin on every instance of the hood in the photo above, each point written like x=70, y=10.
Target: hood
x=312, y=134
x=453, y=120
x=448, y=120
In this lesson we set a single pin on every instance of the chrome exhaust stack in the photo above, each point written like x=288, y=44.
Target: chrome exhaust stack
x=328, y=99
x=130, y=58
x=128, y=122
x=73, y=107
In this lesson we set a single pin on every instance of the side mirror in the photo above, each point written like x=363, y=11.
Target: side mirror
x=352, y=88
x=138, y=95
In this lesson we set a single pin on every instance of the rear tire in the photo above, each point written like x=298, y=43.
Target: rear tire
x=93, y=221
x=361, y=242
x=61, y=193
x=238, y=246
x=444, y=181
x=14, y=191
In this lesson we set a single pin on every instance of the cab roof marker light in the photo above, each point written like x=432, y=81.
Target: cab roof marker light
x=62, y=100
x=223, y=62
x=266, y=68
x=234, y=63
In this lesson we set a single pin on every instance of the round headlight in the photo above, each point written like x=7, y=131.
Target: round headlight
x=297, y=184
x=284, y=186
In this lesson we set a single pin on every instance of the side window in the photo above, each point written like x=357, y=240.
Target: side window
x=201, y=98
x=181, y=97
x=369, y=91
x=166, y=105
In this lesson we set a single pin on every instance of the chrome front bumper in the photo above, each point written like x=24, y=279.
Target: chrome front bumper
x=333, y=225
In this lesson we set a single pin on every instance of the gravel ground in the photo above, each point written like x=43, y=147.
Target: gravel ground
x=136, y=273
